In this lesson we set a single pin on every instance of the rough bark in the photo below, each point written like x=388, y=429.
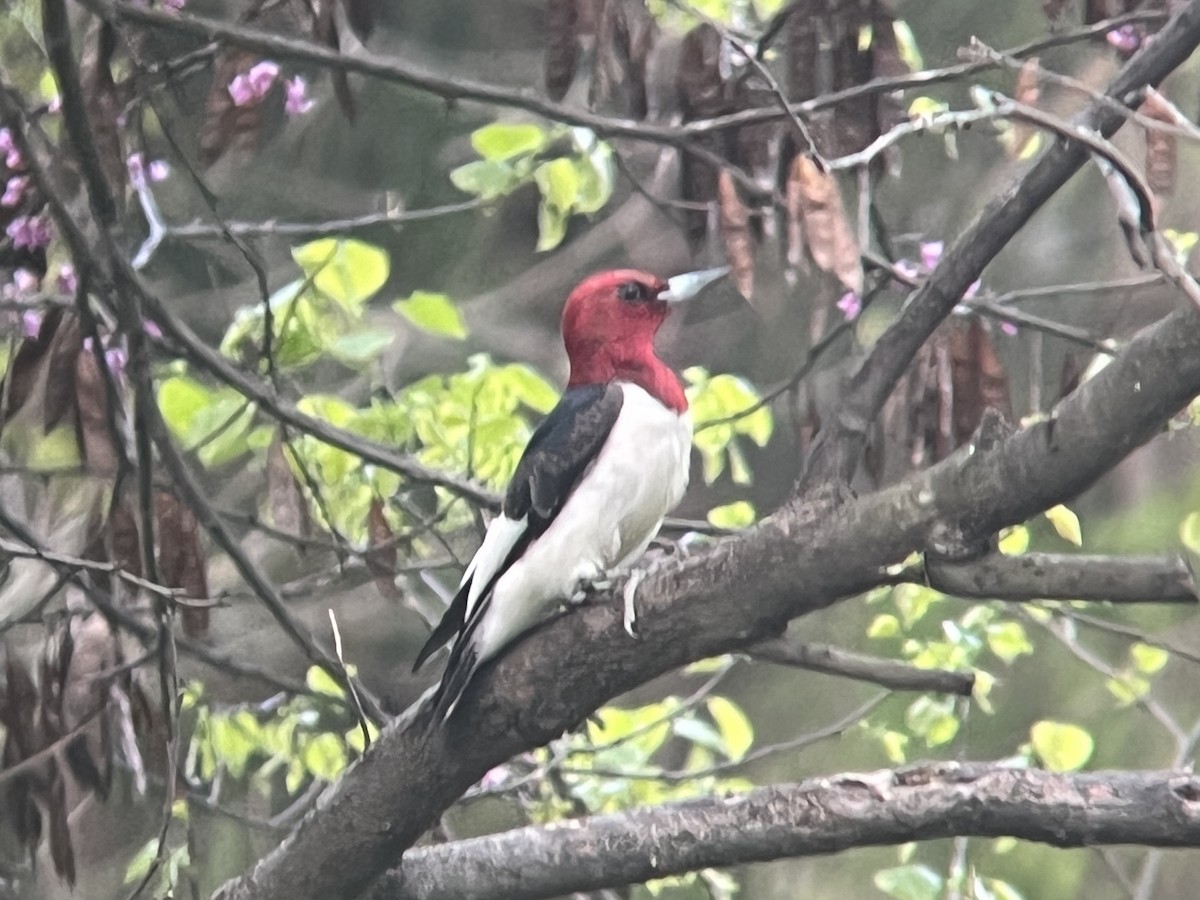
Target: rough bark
x=821, y=815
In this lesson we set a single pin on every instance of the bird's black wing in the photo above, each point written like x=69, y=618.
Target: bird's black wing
x=556, y=457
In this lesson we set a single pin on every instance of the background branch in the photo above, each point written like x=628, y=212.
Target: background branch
x=822, y=815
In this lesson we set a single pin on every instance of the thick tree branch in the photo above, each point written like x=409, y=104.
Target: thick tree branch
x=821, y=815
x=746, y=587
x=1066, y=576
x=888, y=673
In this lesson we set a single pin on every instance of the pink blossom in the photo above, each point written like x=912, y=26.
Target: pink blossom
x=297, y=102
x=23, y=284
x=28, y=232
x=25, y=281
x=850, y=304
x=931, y=252
x=66, y=282
x=1126, y=39
x=31, y=323
x=972, y=290
x=14, y=190
x=12, y=155
x=250, y=87
x=158, y=170
x=1009, y=328
x=151, y=328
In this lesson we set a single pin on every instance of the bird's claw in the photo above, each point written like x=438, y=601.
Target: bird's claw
x=587, y=590
x=630, y=594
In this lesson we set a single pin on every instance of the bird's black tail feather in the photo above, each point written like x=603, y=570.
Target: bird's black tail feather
x=461, y=666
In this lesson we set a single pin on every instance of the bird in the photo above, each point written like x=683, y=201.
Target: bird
x=594, y=482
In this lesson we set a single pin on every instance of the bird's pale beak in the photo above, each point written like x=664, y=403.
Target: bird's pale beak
x=689, y=284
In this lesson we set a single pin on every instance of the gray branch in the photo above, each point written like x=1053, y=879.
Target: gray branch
x=1066, y=576
x=822, y=815
x=888, y=673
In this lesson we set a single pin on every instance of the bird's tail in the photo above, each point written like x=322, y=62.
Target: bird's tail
x=463, y=663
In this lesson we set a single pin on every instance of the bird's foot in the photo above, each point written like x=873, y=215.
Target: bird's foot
x=588, y=590
x=630, y=594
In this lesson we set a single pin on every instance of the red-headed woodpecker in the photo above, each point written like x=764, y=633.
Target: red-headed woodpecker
x=595, y=481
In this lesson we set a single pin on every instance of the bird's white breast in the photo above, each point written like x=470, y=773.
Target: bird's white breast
x=616, y=509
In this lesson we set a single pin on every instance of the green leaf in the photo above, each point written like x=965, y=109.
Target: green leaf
x=884, y=625
x=932, y=719
x=1189, y=531
x=361, y=347
x=140, y=865
x=320, y=681
x=529, y=387
x=895, y=745
x=558, y=181
x=732, y=516
x=1008, y=640
x=735, y=728
x=324, y=756
x=234, y=739
x=912, y=882
x=1066, y=523
x=906, y=43
x=347, y=271
x=1014, y=541
x=1062, y=747
x=552, y=226
x=486, y=179
x=1128, y=688
x=1147, y=659
x=500, y=141
x=180, y=399
x=435, y=313
x=699, y=732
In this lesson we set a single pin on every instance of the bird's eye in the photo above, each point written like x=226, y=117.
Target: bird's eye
x=633, y=291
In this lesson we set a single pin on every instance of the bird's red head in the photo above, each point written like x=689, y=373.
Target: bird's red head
x=608, y=326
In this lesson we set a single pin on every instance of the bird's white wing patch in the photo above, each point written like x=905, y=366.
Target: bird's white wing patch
x=502, y=535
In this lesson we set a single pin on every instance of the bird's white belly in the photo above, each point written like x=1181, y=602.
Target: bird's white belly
x=610, y=518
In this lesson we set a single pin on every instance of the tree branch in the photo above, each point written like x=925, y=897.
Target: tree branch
x=821, y=815
x=888, y=673
x=1066, y=576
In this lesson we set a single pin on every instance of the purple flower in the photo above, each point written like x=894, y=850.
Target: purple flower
x=31, y=323
x=850, y=305
x=116, y=358
x=151, y=328
x=931, y=252
x=1009, y=328
x=22, y=285
x=297, y=102
x=28, y=232
x=12, y=155
x=14, y=190
x=66, y=282
x=1126, y=39
x=25, y=281
x=250, y=87
x=158, y=170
